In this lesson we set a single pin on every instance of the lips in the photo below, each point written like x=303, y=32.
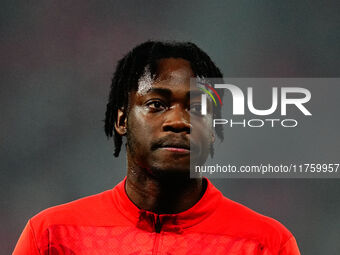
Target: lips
x=182, y=146
x=170, y=143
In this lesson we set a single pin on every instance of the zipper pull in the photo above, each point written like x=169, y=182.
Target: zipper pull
x=158, y=224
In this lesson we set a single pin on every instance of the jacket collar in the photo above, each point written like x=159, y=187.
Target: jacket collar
x=150, y=221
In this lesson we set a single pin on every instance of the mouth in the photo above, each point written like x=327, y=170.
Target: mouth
x=176, y=147
x=180, y=145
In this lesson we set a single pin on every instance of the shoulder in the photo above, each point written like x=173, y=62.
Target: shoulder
x=248, y=217
x=85, y=211
x=242, y=222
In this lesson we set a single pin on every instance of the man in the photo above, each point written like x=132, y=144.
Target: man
x=157, y=208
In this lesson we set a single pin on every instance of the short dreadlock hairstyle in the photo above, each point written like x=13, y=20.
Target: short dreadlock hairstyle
x=132, y=66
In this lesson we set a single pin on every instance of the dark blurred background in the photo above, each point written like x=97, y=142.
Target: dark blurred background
x=57, y=60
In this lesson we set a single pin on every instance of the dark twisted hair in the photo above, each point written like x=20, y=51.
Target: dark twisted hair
x=132, y=66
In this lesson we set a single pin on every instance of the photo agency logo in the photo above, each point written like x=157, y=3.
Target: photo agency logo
x=242, y=104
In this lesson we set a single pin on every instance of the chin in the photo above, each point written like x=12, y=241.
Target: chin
x=173, y=171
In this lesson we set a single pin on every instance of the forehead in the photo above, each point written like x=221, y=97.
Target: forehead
x=174, y=73
x=176, y=69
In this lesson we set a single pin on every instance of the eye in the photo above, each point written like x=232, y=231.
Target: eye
x=156, y=105
x=196, y=108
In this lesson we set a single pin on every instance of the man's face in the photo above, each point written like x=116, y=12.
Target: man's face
x=163, y=121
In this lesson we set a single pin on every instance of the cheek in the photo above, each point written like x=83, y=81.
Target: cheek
x=141, y=128
x=202, y=128
x=137, y=119
x=202, y=138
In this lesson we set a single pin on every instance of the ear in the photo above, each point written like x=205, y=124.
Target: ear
x=121, y=123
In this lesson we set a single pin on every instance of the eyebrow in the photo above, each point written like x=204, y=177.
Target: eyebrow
x=195, y=93
x=160, y=91
x=167, y=92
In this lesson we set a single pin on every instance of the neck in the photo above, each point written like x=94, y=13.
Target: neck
x=168, y=194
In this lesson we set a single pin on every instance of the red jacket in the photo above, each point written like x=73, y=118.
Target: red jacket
x=109, y=223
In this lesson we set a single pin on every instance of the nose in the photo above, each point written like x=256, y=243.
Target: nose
x=177, y=120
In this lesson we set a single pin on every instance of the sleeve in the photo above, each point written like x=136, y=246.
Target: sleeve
x=26, y=244
x=290, y=247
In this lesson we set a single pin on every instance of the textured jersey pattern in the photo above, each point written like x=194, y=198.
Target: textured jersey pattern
x=70, y=240
x=110, y=224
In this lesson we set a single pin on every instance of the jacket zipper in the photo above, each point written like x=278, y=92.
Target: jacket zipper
x=158, y=235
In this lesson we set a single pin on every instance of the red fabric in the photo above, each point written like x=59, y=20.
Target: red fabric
x=109, y=223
